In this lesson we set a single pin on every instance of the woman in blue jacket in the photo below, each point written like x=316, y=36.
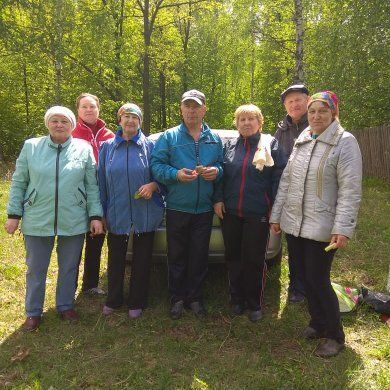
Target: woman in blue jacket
x=131, y=205
x=253, y=164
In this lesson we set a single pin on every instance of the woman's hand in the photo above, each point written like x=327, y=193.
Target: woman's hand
x=209, y=173
x=146, y=190
x=340, y=240
x=11, y=225
x=96, y=227
x=275, y=228
x=219, y=209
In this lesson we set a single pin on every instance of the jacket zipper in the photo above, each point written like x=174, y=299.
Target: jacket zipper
x=128, y=184
x=320, y=171
x=198, y=179
x=243, y=177
x=56, y=190
x=28, y=198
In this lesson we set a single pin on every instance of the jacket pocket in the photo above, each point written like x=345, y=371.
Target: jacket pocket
x=29, y=201
x=321, y=207
x=81, y=198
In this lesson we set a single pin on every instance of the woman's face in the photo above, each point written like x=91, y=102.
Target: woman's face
x=320, y=116
x=130, y=124
x=247, y=124
x=88, y=110
x=60, y=128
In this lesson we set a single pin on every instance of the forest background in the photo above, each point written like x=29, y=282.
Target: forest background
x=151, y=51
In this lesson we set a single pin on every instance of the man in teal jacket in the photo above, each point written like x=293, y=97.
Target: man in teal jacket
x=187, y=159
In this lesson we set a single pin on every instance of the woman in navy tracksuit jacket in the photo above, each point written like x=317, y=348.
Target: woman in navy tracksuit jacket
x=131, y=203
x=243, y=201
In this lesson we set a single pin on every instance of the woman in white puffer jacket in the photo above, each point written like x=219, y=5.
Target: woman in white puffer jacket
x=317, y=204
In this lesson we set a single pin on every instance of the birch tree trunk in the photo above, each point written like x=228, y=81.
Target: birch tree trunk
x=299, y=76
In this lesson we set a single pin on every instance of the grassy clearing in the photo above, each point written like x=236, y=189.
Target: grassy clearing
x=217, y=353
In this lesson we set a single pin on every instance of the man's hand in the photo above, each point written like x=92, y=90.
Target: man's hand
x=186, y=175
x=11, y=225
x=146, y=190
x=275, y=228
x=219, y=209
x=96, y=227
x=340, y=240
x=209, y=173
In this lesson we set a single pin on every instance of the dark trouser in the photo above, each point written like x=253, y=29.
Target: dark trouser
x=93, y=251
x=246, y=242
x=321, y=298
x=188, y=238
x=296, y=272
x=140, y=269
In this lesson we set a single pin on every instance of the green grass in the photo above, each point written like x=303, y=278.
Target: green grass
x=217, y=353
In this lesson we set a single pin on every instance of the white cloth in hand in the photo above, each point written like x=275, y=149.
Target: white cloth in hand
x=262, y=157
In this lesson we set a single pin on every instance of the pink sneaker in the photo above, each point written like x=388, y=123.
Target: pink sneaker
x=135, y=313
x=107, y=311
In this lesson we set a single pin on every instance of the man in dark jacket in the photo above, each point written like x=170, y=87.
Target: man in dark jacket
x=294, y=99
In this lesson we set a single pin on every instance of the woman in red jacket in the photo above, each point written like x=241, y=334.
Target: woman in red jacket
x=93, y=130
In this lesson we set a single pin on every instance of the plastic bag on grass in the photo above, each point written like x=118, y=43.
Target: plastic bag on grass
x=378, y=301
x=348, y=297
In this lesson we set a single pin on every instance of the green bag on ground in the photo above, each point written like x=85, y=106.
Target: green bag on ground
x=348, y=297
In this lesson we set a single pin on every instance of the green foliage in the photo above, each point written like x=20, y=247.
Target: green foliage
x=236, y=51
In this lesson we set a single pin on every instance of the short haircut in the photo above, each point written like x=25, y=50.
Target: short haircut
x=86, y=94
x=248, y=109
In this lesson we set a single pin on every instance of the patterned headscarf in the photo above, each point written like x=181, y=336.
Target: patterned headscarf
x=327, y=97
x=130, y=108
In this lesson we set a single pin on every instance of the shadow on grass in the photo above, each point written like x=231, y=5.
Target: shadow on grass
x=157, y=352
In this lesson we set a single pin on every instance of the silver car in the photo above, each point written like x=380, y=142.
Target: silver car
x=216, y=249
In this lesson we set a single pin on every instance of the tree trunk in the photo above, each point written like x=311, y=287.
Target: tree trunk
x=163, y=101
x=118, y=50
x=299, y=30
x=146, y=69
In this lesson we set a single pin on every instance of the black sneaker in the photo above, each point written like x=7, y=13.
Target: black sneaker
x=255, y=315
x=198, y=309
x=295, y=297
x=176, y=310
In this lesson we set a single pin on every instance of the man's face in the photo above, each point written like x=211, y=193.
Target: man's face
x=192, y=113
x=296, y=105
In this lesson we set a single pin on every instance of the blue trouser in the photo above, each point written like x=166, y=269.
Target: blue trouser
x=38, y=253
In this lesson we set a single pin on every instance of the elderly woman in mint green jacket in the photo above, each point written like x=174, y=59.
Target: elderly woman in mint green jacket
x=54, y=192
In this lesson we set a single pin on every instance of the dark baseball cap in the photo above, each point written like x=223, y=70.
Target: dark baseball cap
x=294, y=88
x=195, y=95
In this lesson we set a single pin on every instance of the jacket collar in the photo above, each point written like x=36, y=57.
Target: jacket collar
x=138, y=139
x=287, y=122
x=204, y=133
x=330, y=135
x=55, y=146
x=100, y=124
x=253, y=139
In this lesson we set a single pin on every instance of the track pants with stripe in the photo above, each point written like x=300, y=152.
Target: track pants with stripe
x=246, y=242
